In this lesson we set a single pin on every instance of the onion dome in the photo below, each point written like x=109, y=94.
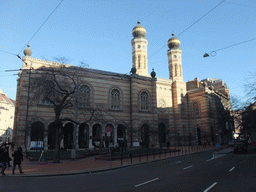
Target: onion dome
x=27, y=51
x=153, y=73
x=139, y=31
x=173, y=43
x=133, y=70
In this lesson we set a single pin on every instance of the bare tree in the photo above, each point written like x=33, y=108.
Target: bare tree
x=57, y=87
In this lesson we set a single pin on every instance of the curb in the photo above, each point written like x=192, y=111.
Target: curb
x=105, y=169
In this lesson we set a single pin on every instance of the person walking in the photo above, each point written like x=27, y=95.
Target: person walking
x=4, y=158
x=18, y=157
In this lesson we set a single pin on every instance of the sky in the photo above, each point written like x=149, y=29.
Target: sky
x=99, y=33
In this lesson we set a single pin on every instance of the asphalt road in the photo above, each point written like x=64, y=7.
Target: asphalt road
x=195, y=172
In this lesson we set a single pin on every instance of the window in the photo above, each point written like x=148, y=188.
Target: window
x=182, y=110
x=144, y=101
x=195, y=109
x=84, y=96
x=145, y=62
x=139, y=61
x=48, y=92
x=176, y=70
x=115, y=99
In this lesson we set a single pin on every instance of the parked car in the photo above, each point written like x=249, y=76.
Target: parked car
x=243, y=146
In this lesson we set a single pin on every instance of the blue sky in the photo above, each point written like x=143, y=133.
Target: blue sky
x=99, y=33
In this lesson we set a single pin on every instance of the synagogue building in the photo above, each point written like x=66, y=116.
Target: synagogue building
x=136, y=109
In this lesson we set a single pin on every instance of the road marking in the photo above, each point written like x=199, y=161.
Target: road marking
x=146, y=182
x=232, y=169
x=188, y=167
x=214, y=157
x=178, y=162
x=210, y=187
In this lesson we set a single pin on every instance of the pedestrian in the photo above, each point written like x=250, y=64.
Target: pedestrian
x=168, y=144
x=18, y=158
x=9, y=159
x=4, y=159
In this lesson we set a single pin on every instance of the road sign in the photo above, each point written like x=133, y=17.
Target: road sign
x=108, y=129
x=217, y=145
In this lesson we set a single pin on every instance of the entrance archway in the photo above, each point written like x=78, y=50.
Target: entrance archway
x=51, y=136
x=83, y=139
x=199, y=136
x=96, y=135
x=161, y=134
x=68, y=135
x=37, y=131
x=145, y=135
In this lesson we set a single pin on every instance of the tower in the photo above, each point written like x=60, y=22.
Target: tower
x=174, y=59
x=139, y=50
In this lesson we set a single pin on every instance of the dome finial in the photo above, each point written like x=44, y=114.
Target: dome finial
x=174, y=42
x=27, y=51
x=139, y=31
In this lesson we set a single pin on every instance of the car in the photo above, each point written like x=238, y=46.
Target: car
x=243, y=146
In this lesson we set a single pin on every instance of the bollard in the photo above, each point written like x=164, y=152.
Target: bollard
x=121, y=159
x=178, y=151
x=165, y=153
x=153, y=155
x=140, y=157
x=182, y=150
x=131, y=157
x=160, y=154
x=147, y=155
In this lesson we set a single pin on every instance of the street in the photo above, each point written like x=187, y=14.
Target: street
x=204, y=171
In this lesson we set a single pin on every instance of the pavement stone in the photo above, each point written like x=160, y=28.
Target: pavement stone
x=86, y=165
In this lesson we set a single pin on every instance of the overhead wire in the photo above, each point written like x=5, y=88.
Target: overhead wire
x=213, y=53
x=191, y=25
x=41, y=25
x=240, y=4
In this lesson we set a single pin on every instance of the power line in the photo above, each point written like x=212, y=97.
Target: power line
x=201, y=17
x=213, y=53
x=41, y=25
x=241, y=4
x=190, y=26
x=10, y=53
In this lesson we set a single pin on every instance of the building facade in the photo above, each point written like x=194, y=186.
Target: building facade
x=140, y=108
x=7, y=107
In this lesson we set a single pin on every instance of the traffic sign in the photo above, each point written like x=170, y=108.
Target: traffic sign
x=108, y=129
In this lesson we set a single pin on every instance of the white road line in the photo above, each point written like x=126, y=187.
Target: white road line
x=232, y=169
x=214, y=157
x=210, y=187
x=188, y=167
x=146, y=182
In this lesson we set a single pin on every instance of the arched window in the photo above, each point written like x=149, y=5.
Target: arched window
x=171, y=72
x=182, y=110
x=139, y=61
x=180, y=71
x=47, y=92
x=176, y=70
x=144, y=101
x=145, y=62
x=210, y=108
x=195, y=109
x=115, y=99
x=37, y=131
x=84, y=96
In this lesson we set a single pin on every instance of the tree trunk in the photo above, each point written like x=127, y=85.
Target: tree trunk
x=58, y=126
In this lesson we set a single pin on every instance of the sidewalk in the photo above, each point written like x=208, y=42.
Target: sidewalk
x=86, y=165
